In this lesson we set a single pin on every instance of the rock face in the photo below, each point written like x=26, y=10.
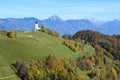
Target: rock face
x=60, y=25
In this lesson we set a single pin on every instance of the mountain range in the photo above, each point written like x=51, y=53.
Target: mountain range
x=62, y=26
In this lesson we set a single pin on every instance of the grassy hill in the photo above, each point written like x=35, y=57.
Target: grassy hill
x=32, y=45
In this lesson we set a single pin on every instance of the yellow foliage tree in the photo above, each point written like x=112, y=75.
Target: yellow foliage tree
x=114, y=73
x=12, y=34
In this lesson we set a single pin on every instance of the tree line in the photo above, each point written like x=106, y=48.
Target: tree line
x=97, y=67
x=49, y=68
x=110, y=43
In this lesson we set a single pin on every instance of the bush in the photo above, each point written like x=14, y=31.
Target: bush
x=12, y=34
x=50, y=32
x=4, y=32
x=48, y=68
x=67, y=36
x=72, y=45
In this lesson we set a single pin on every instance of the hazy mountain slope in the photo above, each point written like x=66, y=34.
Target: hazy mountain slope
x=110, y=27
x=25, y=24
x=60, y=25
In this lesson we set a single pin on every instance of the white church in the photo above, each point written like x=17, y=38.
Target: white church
x=37, y=26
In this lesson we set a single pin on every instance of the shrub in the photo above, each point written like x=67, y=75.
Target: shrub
x=12, y=34
x=48, y=68
x=72, y=45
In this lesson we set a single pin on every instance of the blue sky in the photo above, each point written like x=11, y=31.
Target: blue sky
x=66, y=9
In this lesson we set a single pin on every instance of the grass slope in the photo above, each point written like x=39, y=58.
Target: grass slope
x=32, y=45
x=6, y=73
x=88, y=51
x=27, y=46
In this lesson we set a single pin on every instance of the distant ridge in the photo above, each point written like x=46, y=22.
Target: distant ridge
x=55, y=17
x=62, y=26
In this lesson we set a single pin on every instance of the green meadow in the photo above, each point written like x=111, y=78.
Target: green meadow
x=32, y=45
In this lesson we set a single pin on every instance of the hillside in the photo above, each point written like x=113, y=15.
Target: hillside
x=107, y=58
x=44, y=54
x=100, y=61
x=32, y=46
x=110, y=43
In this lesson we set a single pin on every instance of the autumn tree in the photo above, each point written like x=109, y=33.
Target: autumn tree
x=43, y=29
x=12, y=34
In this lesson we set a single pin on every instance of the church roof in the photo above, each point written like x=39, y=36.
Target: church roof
x=36, y=22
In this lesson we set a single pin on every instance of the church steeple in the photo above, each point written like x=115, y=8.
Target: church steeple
x=36, y=26
x=36, y=22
